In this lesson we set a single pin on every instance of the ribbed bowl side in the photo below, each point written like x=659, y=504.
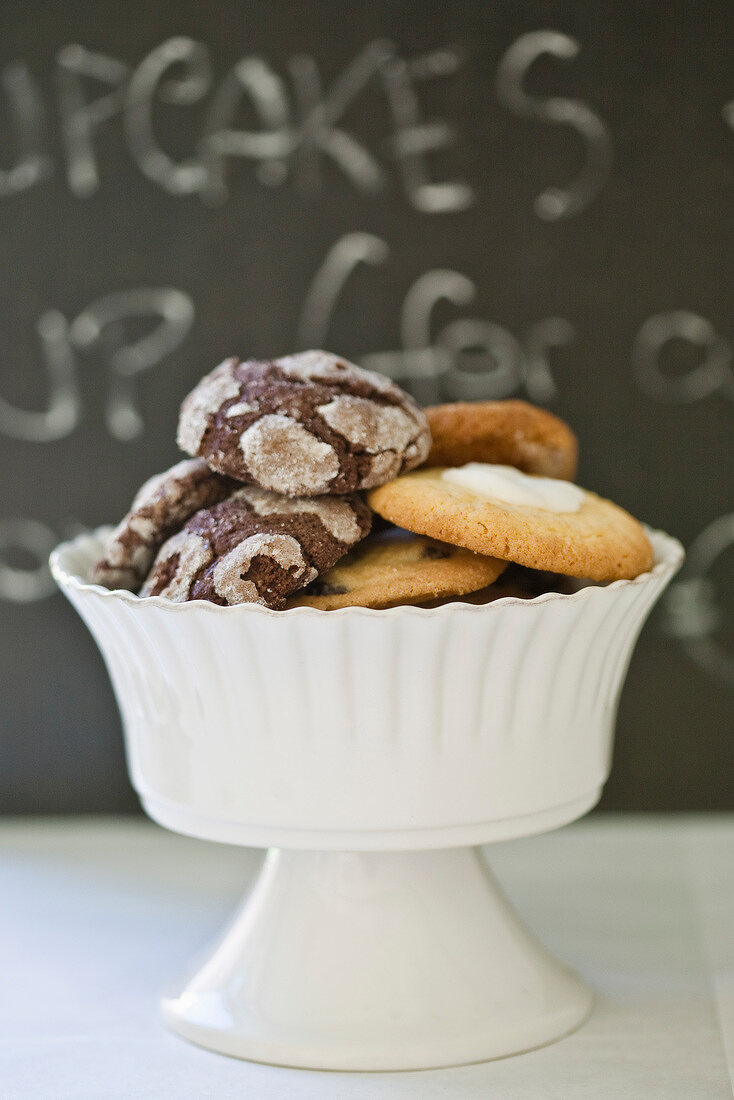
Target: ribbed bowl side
x=360, y=720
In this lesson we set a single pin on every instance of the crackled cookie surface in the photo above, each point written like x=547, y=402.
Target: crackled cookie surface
x=387, y=570
x=303, y=425
x=162, y=505
x=538, y=522
x=256, y=547
x=513, y=433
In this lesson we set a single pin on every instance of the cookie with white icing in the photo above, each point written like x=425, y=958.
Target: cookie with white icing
x=161, y=506
x=303, y=425
x=256, y=547
x=542, y=523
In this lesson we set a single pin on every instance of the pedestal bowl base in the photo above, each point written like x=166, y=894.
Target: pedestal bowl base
x=377, y=961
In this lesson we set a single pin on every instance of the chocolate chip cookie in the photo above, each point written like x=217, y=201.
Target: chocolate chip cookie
x=394, y=568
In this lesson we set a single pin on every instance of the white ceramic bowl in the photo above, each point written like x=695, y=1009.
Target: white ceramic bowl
x=364, y=737
x=362, y=729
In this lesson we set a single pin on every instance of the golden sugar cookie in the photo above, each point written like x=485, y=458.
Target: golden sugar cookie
x=542, y=523
x=386, y=570
x=513, y=433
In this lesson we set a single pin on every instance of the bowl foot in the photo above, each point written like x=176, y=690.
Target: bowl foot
x=377, y=961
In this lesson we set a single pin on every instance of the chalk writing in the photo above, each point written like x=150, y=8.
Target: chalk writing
x=25, y=584
x=468, y=358
x=64, y=402
x=297, y=127
x=101, y=328
x=413, y=138
x=713, y=374
x=79, y=118
x=28, y=119
x=693, y=611
x=557, y=202
x=176, y=178
x=321, y=297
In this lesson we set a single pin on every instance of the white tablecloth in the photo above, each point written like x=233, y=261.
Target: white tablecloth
x=98, y=916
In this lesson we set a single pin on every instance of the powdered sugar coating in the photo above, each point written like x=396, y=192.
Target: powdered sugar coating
x=193, y=553
x=142, y=526
x=303, y=424
x=165, y=486
x=256, y=546
x=311, y=366
x=202, y=402
x=384, y=468
x=240, y=409
x=282, y=455
x=372, y=427
x=161, y=506
x=228, y=574
x=338, y=516
x=324, y=366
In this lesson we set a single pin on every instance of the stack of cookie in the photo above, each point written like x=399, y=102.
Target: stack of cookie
x=293, y=456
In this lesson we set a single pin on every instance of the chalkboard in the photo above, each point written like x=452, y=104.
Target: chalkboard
x=479, y=199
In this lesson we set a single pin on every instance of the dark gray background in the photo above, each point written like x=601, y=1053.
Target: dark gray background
x=637, y=271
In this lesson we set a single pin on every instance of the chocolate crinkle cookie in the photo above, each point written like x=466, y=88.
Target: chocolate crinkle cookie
x=256, y=547
x=161, y=506
x=303, y=425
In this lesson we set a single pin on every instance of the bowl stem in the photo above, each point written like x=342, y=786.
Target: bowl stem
x=377, y=961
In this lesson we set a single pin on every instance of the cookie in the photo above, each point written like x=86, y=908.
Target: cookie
x=161, y=506
x=256, y=547
x=303, y=425
x=512, y=433
x=517, y=582
x=538, y=522
x=385, y=571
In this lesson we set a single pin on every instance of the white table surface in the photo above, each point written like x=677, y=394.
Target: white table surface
x=98, y=916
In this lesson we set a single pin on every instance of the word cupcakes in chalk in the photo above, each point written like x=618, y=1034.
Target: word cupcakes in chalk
x=292, y=456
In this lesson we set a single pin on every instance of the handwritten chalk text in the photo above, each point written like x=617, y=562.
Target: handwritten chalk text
x=299, y=124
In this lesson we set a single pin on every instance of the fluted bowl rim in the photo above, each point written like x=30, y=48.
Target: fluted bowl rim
x=669, y=555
